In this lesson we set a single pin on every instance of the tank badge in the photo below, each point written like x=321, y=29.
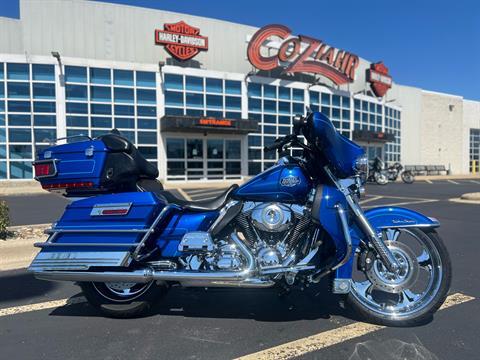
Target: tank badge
x=290, y=181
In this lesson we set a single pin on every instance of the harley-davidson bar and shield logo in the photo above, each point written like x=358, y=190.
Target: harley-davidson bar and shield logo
x=181, y=40
x=379, y=79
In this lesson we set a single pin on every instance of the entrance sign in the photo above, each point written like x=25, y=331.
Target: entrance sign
x=379, y=79
x=301, y=54
x=181, y=40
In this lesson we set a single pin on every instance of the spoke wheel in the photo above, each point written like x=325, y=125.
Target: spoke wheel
x=419, y=287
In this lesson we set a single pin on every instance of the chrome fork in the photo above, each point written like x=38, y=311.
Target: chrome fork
x=382, y=250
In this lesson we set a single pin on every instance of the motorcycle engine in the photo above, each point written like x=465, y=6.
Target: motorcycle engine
x=272, y=229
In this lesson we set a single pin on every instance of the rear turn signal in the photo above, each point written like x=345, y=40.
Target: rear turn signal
x=75, y=185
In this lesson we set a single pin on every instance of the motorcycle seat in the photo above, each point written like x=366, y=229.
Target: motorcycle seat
x=169, y=197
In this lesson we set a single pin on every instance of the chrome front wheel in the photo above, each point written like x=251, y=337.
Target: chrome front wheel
x=415, y=292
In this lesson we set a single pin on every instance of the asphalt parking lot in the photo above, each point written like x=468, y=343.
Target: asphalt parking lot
x=47, y=320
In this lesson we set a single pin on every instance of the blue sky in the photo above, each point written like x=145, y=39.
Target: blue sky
x=432, y=44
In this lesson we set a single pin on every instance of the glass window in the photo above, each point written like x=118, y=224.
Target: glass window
x=124, y=110
x=173, y=98
x=75, y=74
x=285, y=120
x=146, y=111
x=44, y=120
x=44, y=107
x=269, y=91
x=97, y=133
x=233, y=102
x=100, y=76
x=3, y=170
x=314, y=97
x=269, y=105
x=76, y=92
x=18, y=71
x=194, y=112
x=146, y=79
x=214, y=101
x=364, y=106
x=1, y=70
x=194, y=100
x=43, y=72
x=127, y=123
x=123, y=95
x=77, y=121
x=20, y=170
x=146, y=96
x=297, y=108
x=254, y=89
x=147, y=123
x=270, y=119
x=356, y=104
x=233, y=115
x=173, y=82
x=2, y=91
x=325, y=99
x=19, y=106
x=298, y=94
x=254, y=104
x=100, y=109
x=346, y=102
x=101, y=122
x=76, y=133
x=45, y=135
x=100, y=93
x=18, y=90
x=43, y=91
x=19, y=135
x=214, y=85
x=233, y=87
x=254, y=168
x=3, y=137
x=123, y=77
x=284, y=93
x=150, y=152
x=173, y=111
x=215, y=114
x=77, y=108
x=147, y=137
x=254, y=140
x=194, y=83
x=215, y=149
x=284, y=107
x=336, y=100
x=175, y=148
x=19, y=120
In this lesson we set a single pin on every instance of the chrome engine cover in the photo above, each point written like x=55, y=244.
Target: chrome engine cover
x=272, y=217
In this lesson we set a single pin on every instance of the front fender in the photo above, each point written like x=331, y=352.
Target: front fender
x=396, y=217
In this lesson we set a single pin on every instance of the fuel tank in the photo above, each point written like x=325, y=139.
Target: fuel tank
x=284, y=183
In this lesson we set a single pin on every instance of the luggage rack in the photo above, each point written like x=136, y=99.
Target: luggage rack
x=54, y=232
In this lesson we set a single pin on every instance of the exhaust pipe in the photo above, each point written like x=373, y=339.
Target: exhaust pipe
x=190, y=278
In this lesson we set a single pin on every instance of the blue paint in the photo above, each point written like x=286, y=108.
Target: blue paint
x=388, y=216
x=267, y=186
x=339, y=151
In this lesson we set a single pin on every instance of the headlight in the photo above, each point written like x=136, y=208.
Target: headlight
x=361, y=165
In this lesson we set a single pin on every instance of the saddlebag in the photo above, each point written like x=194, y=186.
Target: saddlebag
x=99, y=231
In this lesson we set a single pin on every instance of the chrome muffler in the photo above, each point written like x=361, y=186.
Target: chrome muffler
x=186, y=278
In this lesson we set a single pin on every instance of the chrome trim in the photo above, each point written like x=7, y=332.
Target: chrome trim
x=222, y=214
x=97, y=209
x=53, y=161
x=151, y=230
x=56, y=231
x=382, y=250
x=47, y=244
x=341, y=286
x=346, y=233
x=53, y=261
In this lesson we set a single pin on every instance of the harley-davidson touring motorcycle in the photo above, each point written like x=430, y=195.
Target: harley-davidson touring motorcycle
x=125, y=240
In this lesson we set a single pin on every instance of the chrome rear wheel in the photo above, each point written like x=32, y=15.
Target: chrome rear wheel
x=415, y=291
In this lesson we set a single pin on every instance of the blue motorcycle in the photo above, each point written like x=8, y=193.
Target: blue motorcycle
x=125, y=240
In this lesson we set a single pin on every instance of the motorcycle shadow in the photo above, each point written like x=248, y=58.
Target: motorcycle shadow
x=31, y=287
x=266, y=305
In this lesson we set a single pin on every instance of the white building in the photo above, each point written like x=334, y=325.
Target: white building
x=183, y=89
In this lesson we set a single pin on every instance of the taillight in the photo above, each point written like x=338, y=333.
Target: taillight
x=75, y=185
x=42, y=169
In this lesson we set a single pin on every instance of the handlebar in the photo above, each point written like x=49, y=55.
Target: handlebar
x=279, y=143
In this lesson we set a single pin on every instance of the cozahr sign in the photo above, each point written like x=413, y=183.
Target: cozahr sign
x=301, y=54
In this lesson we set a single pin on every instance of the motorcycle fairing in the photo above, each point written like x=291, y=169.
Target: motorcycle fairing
x=394, y=217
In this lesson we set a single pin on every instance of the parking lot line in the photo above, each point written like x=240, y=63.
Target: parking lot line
x=453, y=182
x=332, y=337
x=475, y=181
x=429, y=181
x=373, y=198
x=41, y=306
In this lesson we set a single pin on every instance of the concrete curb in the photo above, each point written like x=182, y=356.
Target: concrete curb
x=17, y=253
x=471, y=196
x=462, y=201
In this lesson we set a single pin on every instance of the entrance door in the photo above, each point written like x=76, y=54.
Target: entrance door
x=199, y=159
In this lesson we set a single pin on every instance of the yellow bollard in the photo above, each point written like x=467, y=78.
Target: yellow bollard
x=474, y=167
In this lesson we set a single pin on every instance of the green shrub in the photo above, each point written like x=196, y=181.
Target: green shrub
x=4, y=220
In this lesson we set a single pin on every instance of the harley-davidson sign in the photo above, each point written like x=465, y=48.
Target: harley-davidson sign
x=181, y=40
x=379, y=79
x=301, y=54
